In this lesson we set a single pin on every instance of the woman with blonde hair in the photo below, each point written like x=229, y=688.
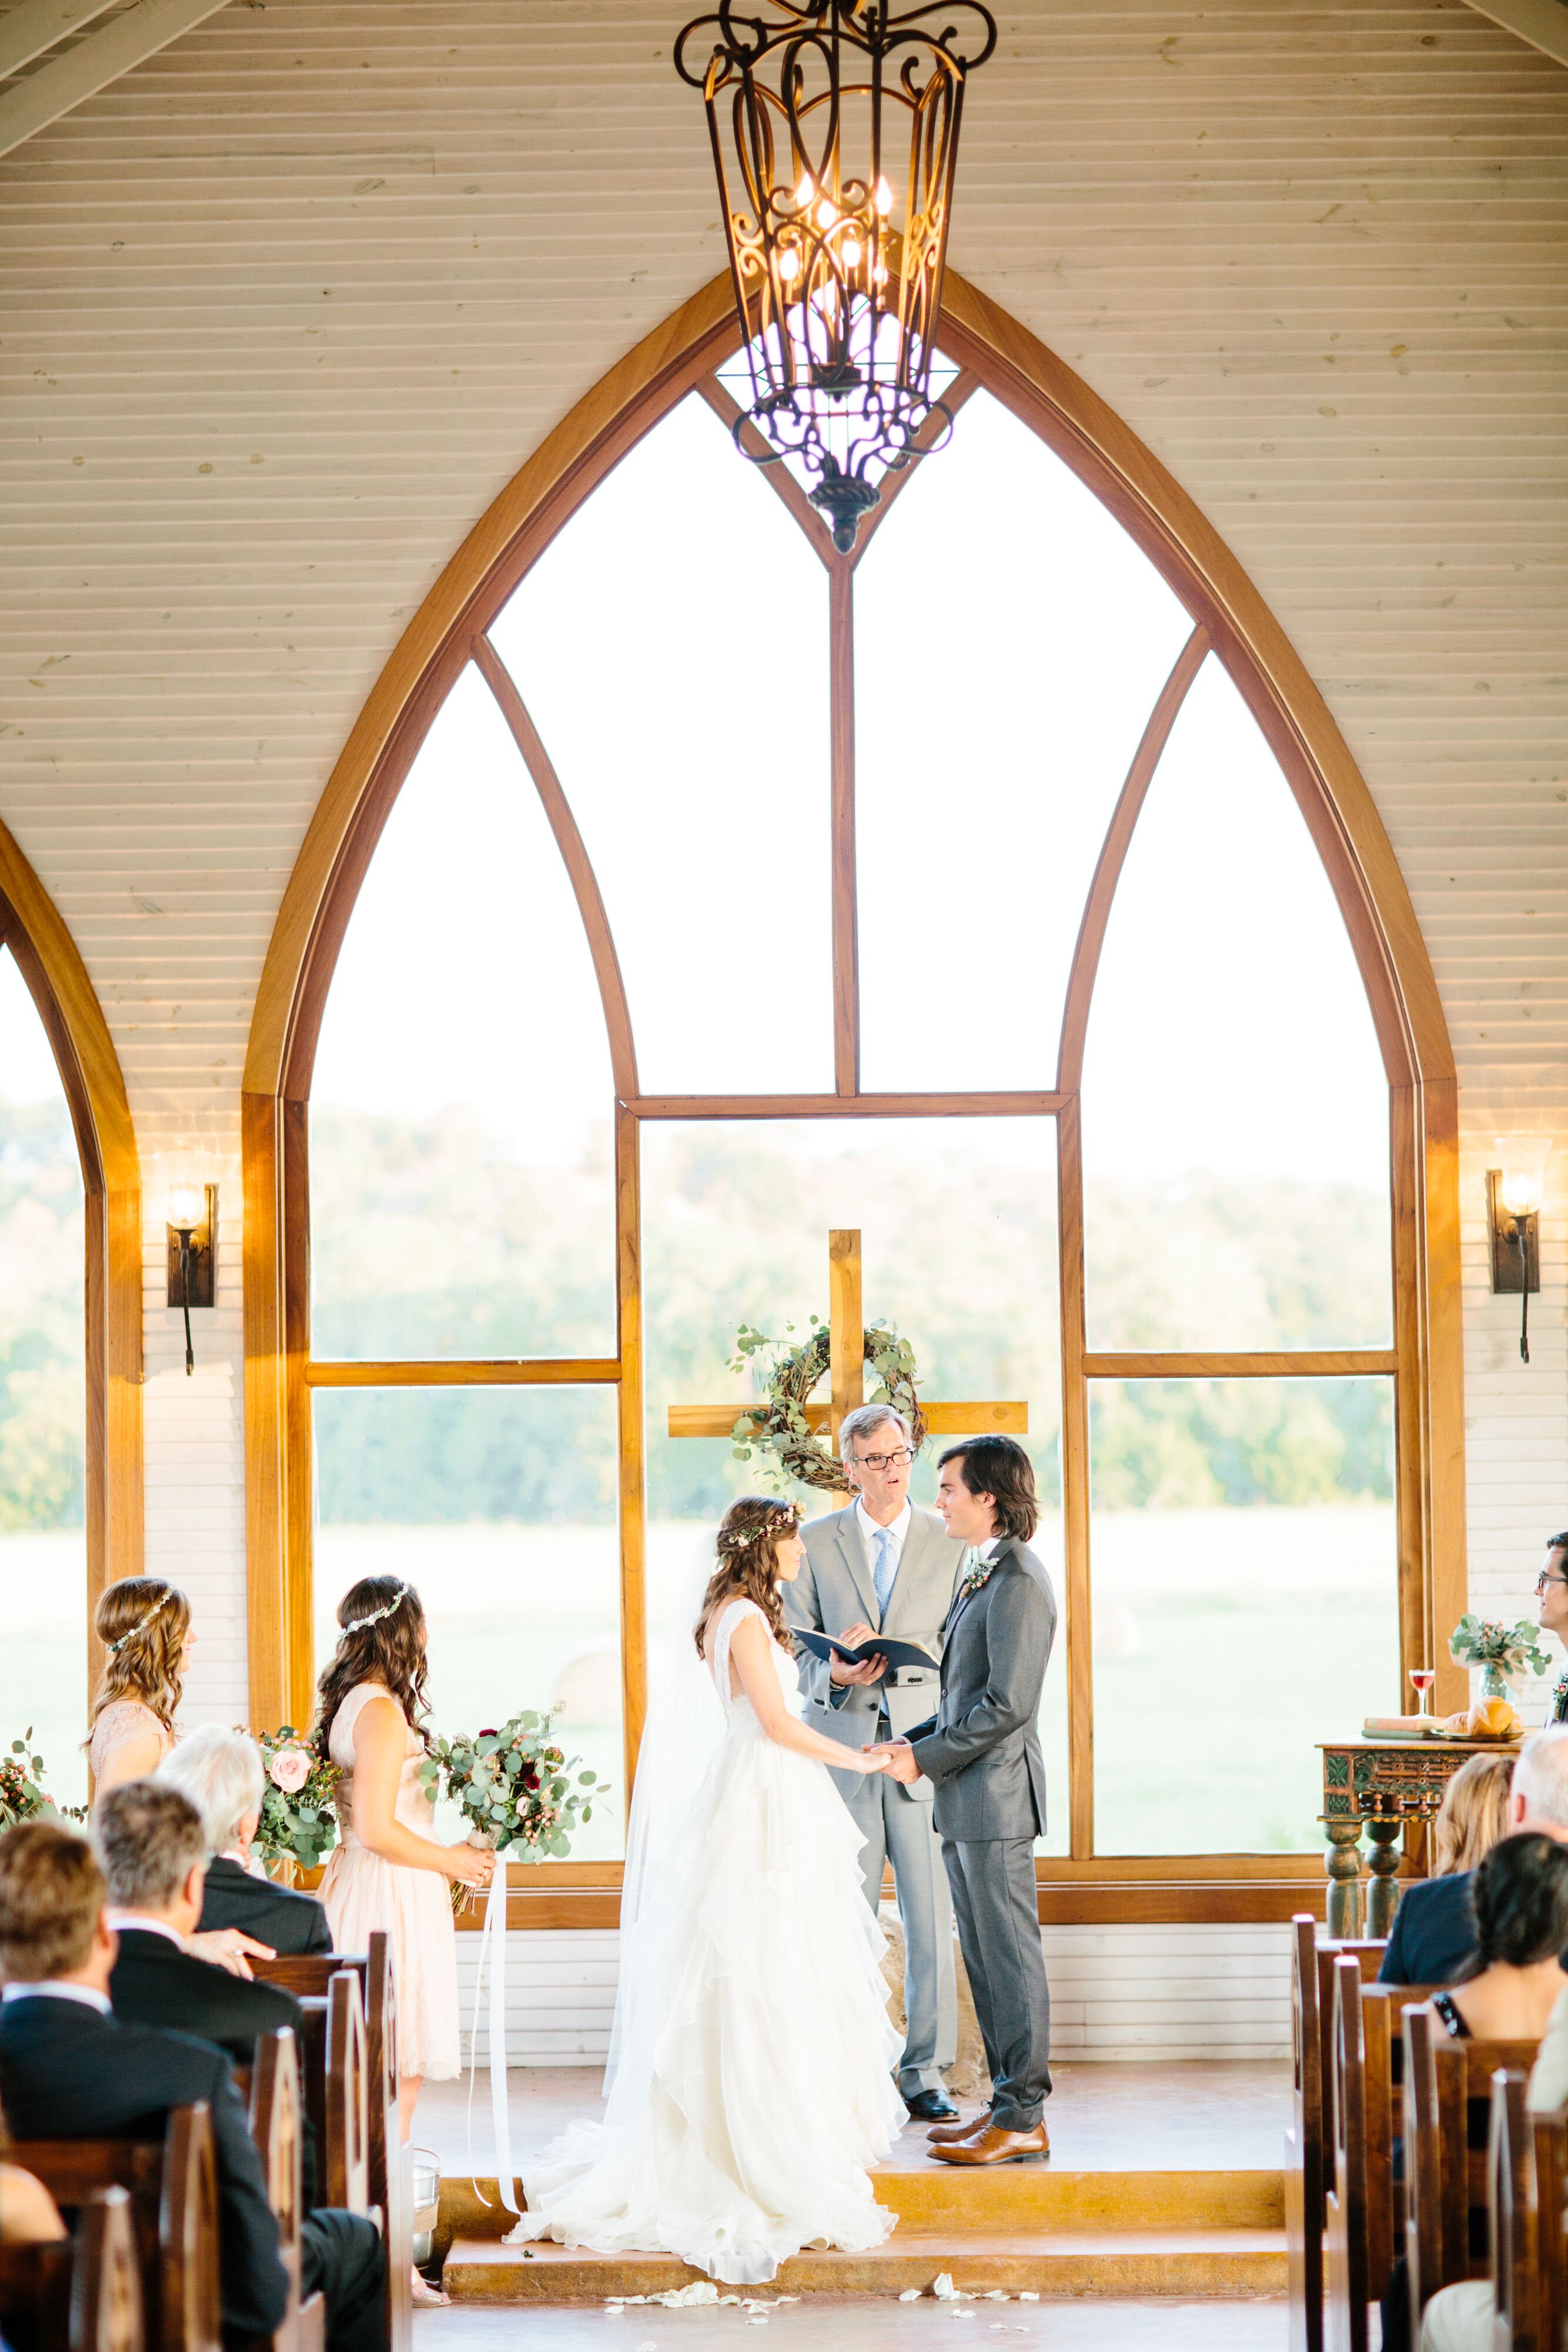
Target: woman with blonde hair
x=1473, y=1815
x=144, y=1625
x=387, y=1870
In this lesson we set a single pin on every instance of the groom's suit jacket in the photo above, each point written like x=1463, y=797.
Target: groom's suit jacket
x=835, y=1590
x=981, y=1747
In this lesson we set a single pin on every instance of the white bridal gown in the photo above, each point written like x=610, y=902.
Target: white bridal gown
x=753, y=2086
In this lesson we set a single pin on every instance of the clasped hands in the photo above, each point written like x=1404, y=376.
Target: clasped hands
x=895, y=1758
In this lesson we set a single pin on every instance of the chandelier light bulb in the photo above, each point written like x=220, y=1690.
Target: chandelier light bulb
x=826, y=215
x=851, y=252
x=884, y=196
x=788, y=265
x=805, y=191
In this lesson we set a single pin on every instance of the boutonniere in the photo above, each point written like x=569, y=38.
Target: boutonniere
x=1560, y=1691
x=979, y=1575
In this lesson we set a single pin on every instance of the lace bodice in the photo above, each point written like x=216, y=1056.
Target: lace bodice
x=739, y=1714
x=125, y=1720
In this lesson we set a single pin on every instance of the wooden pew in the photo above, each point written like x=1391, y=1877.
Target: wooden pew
x=1447, y=2149
x=174, y=2192
x=276, y=2117
x=309, y=1975
x=1364, y=2205
x=1308, y=2158
x=1527, y=2175
x=345, y=2146
x=82, y=2293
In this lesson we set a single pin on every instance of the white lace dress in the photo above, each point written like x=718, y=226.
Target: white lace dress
x=754, y=2091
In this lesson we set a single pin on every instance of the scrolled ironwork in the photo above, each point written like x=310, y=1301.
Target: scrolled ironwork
x=838, y=262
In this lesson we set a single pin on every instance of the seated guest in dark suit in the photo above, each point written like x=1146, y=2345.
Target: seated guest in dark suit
x=1471, y=1818
x=1434, y=1937
x=71, y=2070
x=221, y=1772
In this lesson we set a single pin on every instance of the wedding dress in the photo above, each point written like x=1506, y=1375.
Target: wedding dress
x=751, y=2079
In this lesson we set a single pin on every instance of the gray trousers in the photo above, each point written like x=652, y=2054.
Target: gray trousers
x=994, y=1901
x=898, y=1830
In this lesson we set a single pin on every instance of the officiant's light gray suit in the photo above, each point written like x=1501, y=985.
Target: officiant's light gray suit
x=981, y=1750
x=834, y=1591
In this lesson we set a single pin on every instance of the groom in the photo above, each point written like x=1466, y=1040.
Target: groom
x=981, y=1748
x=882, y=1566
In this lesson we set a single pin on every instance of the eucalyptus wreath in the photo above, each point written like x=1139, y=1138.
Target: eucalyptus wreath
x=775, y=1428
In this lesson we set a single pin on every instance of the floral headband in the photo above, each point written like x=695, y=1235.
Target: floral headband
x=787, y=1515
x=142, y=1624
x=358, y=1625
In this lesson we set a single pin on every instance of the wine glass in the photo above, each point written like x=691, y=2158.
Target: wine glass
x=1423, y=1678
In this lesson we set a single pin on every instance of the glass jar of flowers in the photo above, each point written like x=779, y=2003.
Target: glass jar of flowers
x=1500, y=1650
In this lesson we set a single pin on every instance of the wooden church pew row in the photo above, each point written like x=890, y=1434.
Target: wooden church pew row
x=277, y=2126
x=345, y=2166
x=1527, y=2175
x=309, y=1975
x=79, y=2294
x=1364, y=2207
x=1306, y=2150
x=1447, y=2137
x=174, y=2192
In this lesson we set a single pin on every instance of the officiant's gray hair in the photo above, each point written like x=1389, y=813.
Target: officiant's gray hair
x=867, y=1419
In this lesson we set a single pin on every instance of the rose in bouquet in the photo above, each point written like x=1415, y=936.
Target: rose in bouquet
x=518, y=1791
x=22, y=1792
x=298, y=1822
x=1500, y=1650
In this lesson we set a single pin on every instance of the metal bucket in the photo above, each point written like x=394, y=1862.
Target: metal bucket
x=424, y=2170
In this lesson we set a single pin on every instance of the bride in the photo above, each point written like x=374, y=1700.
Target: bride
x=750, y=2080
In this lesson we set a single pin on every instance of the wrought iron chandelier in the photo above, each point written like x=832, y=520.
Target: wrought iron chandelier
x=838, y=238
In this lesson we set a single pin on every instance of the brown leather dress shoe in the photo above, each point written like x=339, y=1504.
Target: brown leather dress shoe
x=992, y=2145
x=964, y=2130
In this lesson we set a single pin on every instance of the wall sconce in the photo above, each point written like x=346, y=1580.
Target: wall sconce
x=1514, y=1193
x=192, y=1210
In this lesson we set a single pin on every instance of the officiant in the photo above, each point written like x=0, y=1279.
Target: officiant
x=883, y=1567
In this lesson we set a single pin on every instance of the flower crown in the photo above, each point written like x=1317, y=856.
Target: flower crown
x=358, y=1625
x=142, y=1624
x=782, y=1516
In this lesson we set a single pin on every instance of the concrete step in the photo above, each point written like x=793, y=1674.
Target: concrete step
x=1189, y=2263
x=933, y=2200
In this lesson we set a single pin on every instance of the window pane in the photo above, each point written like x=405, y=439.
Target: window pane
x=462, y=1192
x=43, y=1539
x=988, y=759
x=672, y=646
x=1235, y=1105
x=958, y=1225
x=499, y=1507
x=1245, y=1578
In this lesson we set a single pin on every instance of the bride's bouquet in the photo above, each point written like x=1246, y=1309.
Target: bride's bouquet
x=515, y=1787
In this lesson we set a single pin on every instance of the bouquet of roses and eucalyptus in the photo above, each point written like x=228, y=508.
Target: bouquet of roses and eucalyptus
x=22, y=1792
x=515, y=1787
x=1485, y=1641
x=297, y=1819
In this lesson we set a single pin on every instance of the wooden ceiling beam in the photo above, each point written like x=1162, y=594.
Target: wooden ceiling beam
x=1542, y=23
x=34, y=26
x=82, y=71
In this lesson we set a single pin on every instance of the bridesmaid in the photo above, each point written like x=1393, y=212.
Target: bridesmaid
x=145, y=1626
x=387, y=1871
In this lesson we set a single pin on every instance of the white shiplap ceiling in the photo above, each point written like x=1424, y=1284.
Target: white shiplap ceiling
x=283, y=309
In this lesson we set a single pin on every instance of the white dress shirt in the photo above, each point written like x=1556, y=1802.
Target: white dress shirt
x=871, y=1529
x=89, y=1995
x=120, y=1920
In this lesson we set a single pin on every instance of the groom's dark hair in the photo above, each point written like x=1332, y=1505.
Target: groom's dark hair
x=999, y=1467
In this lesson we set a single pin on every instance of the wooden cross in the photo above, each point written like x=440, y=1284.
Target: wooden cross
x=846, y=1325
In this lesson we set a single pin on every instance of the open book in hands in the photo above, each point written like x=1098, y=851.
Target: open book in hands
x=897, y=1653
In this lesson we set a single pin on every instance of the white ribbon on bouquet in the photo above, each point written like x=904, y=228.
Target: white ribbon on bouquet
x=493, y=1946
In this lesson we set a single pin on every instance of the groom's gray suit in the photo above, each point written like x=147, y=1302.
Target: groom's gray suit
x=833, y=1591
x=981, y=1750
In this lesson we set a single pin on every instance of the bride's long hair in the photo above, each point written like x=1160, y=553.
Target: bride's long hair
x=747, y=1567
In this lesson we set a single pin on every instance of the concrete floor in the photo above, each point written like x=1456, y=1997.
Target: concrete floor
x=1196, y=2115
x=865, y=2325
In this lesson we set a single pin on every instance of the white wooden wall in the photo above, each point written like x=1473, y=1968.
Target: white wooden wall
x=286, y=306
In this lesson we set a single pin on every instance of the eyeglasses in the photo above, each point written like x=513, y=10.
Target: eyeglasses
x=1546, y=1578
x=883, y=1461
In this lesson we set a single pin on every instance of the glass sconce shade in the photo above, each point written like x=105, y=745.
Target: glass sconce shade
x=1522, y=1182
x=183, y=1185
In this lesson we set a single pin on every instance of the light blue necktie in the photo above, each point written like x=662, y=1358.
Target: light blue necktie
x=886, y=1569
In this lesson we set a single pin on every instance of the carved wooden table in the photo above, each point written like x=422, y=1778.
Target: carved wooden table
x=1381, y=1786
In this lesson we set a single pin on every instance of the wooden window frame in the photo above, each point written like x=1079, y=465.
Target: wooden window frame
x=57, y=980
x=1228, y=617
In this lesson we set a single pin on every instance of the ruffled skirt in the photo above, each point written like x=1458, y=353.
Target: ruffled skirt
x=361, y=1891
x=755, y=2085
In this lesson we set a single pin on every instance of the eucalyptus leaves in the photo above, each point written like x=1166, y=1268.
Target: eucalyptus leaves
x=777, y=1428
x=515, y=1787
x=1506, y=1650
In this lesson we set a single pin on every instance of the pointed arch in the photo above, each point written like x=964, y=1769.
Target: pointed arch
x=51, y=965
x=1229, y=616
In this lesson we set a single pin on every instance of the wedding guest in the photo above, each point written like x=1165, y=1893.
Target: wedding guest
x=1473, y=1815
x=388, y=1871
x=222, y=1774
x=69, y=2071
x=883, y=1564
x=1434, y=1935
x=145, y=1627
